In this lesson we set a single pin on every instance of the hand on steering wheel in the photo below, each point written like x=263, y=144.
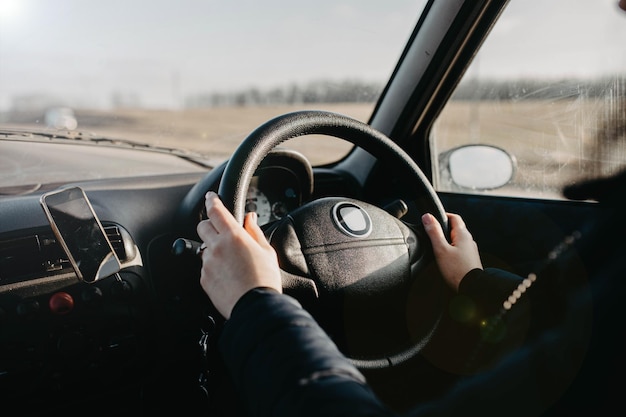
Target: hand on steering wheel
x=352, y=264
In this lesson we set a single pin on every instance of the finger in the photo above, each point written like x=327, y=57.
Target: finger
x=221, y=218
x=455, y=220
x=434, y=231
x=253, y=229
x=206, y=230
x=458, y=228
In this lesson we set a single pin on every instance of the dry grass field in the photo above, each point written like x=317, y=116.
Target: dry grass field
x=214, y=131
x=553, y=142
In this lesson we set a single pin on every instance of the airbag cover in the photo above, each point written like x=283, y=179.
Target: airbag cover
x=346, y=245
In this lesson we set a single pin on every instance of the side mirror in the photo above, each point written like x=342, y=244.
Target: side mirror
x=477, y=167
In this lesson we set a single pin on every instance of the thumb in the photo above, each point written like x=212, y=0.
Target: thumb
x=434, y=232
x=253, y=229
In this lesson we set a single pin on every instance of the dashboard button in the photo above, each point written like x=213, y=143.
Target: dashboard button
x=61, y=303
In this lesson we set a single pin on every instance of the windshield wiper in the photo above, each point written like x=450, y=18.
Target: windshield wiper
x=194, y=157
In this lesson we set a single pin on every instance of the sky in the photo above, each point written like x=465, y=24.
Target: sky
x=163, y=50
x=553, y=42
x=179, y=47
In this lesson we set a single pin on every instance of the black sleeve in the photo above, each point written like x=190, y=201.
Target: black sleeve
x=476, y=330
x=283, y=363
x=489, y=288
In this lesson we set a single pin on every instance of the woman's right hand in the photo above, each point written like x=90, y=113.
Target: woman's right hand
x=235, y=259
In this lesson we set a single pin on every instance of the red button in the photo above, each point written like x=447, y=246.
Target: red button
x=61, y=303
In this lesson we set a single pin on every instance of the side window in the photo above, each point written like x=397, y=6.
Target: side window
x=549, y=89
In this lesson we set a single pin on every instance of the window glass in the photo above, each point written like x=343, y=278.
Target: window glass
x=195, y=74
x=549, y=87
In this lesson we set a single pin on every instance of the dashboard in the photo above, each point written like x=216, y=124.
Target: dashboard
x=274, y=194
x=64, y=339
x=282, y=183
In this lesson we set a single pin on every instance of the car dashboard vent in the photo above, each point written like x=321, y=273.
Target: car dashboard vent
x=114, y=234
x=38, y=254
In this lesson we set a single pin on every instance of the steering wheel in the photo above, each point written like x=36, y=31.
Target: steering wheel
x=360, y=271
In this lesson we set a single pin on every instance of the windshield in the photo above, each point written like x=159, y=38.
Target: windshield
x=195, y=74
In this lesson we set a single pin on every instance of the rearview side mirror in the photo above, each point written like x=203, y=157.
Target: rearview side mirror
x=477, y=167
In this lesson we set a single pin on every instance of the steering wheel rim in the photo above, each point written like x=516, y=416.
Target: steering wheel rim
x=248, y=156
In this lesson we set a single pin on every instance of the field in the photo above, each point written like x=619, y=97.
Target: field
x=215, y=131
x=554, y=143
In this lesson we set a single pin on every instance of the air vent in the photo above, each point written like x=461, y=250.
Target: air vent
x=37, y=254
x=31, y=256
x=121, y=242
x=115, y=237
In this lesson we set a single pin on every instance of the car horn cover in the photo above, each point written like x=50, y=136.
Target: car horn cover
x=352, y=219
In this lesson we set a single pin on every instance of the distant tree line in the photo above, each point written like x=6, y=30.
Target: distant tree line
x=347, y=91
x=354, y=91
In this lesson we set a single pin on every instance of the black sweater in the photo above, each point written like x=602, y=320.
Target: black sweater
x=283, y=364
x=571, y=362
